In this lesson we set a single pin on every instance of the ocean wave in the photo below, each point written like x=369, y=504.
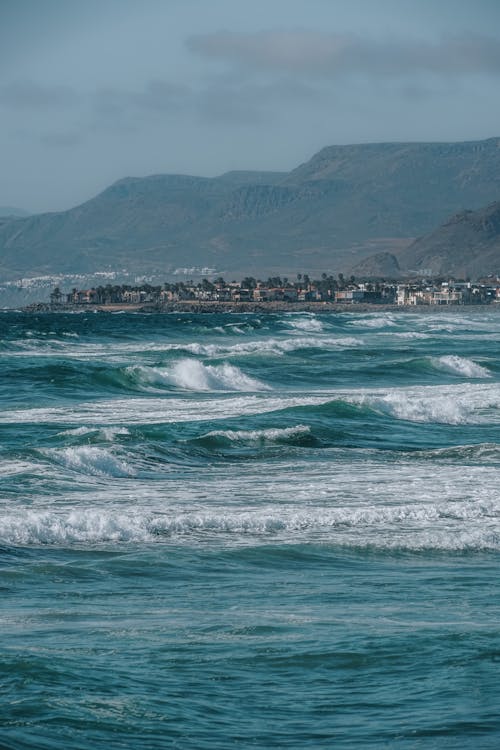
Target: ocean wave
x=438, y=404
x=236, y=329
x=108, y=434
x=460, y=366
x=192, y=375
x=464, y=403
x=271, y=435
x=128, y=411
x=409, y=334
x=481, y=452
x=266, y=346
x=374, y=321
x=13, y=467
x=453, y=525
x=118, y=352
x=307, y=323
x=91, y=460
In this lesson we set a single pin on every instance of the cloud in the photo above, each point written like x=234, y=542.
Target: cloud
x=222, y=98
x=157, y=96
x=244, y=102
x=327, y=54
x=30, y=95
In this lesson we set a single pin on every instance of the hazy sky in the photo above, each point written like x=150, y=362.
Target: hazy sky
x=95, y=90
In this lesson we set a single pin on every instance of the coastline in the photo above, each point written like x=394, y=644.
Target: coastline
x=254, y=307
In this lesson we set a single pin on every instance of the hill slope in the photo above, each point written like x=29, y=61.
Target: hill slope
x=468, y=244
x=329, y=213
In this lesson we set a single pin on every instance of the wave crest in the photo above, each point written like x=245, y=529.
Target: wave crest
x=460, y=366
x=272, y=435
x=450, y=526
x=91, y=460
x=192, y=375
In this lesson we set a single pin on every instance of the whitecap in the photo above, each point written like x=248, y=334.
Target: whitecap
x=441, y=525
x=11, y=467
x=105, y=433
x=91, y=460
x=460, y=366
x=192, y=375
x=375, y=321
x=309, y=323
x=273, y=434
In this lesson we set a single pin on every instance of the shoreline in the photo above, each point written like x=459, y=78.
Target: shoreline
x=253, y=307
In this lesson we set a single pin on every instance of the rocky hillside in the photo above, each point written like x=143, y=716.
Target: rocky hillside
x=344, y=204
x=379, y=266
x=467, y=245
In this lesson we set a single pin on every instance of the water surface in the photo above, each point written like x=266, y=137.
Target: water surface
x=223, y=531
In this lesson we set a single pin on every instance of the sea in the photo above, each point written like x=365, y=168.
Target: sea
x=236, y=530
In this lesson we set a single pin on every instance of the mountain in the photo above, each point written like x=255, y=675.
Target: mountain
x=467, y=245
x=344, y=204
x=379, y=266
x=10, y=211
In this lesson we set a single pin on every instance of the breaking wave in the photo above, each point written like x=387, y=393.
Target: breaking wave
x=192, y=375
x=374, y=321
x=460, y=366
x=287, y=435
x=266, y=346
x=309, y=323
x=449, y=526
x=109, y=434
x=441, y=405
x=91, y=460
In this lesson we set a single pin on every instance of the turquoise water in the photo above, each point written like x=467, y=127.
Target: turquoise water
x=276, y=531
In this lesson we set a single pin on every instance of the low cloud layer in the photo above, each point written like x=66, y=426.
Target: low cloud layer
x=330, y=54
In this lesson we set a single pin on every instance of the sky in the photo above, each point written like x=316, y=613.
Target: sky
x=95, y=90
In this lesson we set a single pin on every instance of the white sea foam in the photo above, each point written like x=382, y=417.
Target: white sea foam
x=267, y=346
x=409, y=334
x=442, y=526
x=105, y=433
x=374, y=321
x=464, y=403
x=91, y=460
x=237, y=329
x=11, y=467
x=364, y=501
x=156, y=410
x=308, y=323
x=122, y=352
x=271, y=434
x=484, y=452
x=192, y=375
x=460, y=366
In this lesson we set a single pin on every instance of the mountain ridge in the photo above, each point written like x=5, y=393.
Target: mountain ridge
x=328, y=213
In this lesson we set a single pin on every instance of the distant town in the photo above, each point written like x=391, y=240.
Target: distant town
x=276, y=289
